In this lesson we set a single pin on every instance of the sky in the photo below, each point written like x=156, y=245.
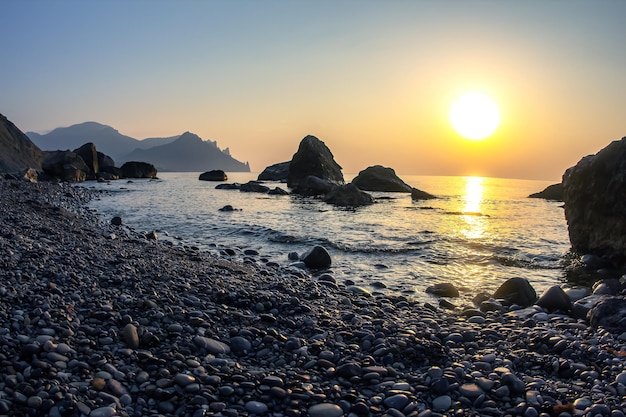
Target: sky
x=374, y=80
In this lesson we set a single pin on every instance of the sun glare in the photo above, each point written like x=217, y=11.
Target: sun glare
x=474, y=116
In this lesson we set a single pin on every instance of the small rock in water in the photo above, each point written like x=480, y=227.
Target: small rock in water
x=116, y=221
x=317, y=258
x=445, y=289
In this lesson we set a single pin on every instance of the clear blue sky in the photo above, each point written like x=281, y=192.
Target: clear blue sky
x=373, y=79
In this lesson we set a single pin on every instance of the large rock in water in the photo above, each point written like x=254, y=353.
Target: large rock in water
x=214, y=175
x=135, y=169
x=380, y=178
x=17, y=152
x=66, y=166
x=276, y=172
x=313, y=158
x=594, y=193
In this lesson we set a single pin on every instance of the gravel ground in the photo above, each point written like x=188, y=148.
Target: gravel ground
x=98, y=320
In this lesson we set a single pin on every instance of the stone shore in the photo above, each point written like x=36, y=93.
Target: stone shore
x=98, y=320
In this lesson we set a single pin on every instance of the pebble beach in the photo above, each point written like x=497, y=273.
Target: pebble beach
x=99, y=320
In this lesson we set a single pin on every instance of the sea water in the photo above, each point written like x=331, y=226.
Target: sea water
x=477, y=233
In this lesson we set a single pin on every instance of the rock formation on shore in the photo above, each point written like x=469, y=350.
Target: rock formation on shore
x=17, y=152
x=594, y=192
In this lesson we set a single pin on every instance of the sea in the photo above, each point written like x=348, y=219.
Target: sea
x=476, y=234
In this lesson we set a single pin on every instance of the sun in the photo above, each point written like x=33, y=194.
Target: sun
x=474, y=116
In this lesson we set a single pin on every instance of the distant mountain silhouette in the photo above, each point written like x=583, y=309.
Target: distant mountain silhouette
x=189, y=154
x=17, y=151
x=107, y=140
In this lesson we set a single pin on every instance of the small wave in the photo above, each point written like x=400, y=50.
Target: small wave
x=465, y=213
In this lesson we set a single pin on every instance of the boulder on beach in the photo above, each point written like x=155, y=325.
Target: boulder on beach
x=595, y=207
x=213, y=175
x=379, y=178
x=313, y=158
x=552, y=192
x=609, y=312
x=89, y=154
x=316, y=257
x=134, y=169
x=555, y=299
x=516, y=291
x=348, y=195
x=66, y=166
x=276, y=172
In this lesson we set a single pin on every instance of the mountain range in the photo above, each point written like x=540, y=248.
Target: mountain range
x=187, y=152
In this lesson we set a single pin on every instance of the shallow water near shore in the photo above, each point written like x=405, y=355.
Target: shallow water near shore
x=476, y=234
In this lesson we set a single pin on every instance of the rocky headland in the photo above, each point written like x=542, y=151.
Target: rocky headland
x=99, y=320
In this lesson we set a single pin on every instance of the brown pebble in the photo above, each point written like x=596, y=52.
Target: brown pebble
x=98, y=384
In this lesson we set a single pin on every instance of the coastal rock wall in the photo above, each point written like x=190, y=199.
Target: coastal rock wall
x=595, y=207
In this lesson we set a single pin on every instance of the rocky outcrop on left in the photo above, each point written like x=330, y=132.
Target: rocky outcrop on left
x=17, y=152
x=595, y=207
x=313, y=158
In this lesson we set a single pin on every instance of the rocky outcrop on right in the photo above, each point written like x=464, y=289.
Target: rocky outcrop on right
x=594, y=194
x=313, y=158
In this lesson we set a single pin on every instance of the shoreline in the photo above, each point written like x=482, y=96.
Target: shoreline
x=97, y=321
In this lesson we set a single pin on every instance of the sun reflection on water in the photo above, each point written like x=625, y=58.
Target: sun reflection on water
x=472, y=215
